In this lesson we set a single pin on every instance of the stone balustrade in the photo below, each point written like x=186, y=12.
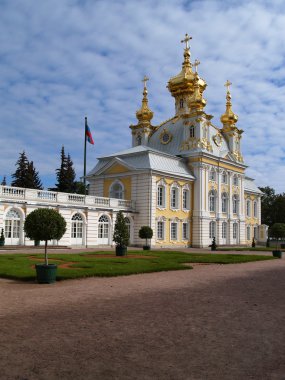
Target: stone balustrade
x=53, y=197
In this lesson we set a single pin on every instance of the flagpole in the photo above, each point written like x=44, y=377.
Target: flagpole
x=84, y=174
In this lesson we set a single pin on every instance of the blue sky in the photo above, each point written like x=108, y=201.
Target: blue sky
x=63, y=60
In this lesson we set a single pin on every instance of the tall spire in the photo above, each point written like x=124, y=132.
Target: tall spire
x=229, y=118
x=144, y=114
x=187, y=54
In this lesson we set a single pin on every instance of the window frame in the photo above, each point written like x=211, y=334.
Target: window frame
x=174, y=197
x=212, y=201
x=162, y=230
x=172, y=224
x=224, y=203
x=212, y=229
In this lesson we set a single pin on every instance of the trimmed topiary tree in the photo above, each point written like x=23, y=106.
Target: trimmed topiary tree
x=121, y=234
x=44, y=224
x=277, y=231
x=146, y=233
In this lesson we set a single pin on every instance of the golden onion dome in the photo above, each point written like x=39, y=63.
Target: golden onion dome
x=183, y=83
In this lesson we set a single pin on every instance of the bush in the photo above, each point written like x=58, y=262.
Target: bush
x=277, y=231
x=146, y=233
x=44, y=224
x=121, y=234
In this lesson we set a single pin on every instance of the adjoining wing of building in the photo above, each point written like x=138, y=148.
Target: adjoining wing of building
x=185, y=178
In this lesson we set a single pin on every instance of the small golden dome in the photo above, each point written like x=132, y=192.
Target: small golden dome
x=229, y=118
x=144, y=114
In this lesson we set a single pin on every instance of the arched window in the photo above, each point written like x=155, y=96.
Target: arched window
x=235, y=180
x=248, y=206
x=212, y=229
x=77, y=226
x=224, y=177
x=235, y=231
x=103, y=227
x=212, y=201
x=255, y=209
x=224, y=230
x=224, y=202
x=212, y=175
x=160, y=200
x=117, y=190
x=12, y=225
x=235, y=204
x=192, y=131
x=174, y=197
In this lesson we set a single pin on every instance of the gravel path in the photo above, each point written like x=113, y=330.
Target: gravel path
x=212, y=322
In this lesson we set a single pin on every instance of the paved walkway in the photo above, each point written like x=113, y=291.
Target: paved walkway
x=214, y=322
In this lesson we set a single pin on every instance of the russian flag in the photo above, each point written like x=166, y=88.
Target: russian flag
x=88, y=134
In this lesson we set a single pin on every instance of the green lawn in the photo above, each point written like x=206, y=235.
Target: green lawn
x=256, y=249
x=21, y=267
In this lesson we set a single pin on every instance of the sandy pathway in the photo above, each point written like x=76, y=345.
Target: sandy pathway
x=212, y=322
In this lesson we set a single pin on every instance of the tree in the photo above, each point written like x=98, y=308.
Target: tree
x=20, y=175
x=65, y=174
x=277, y=231
x=146, y=233
x=33, y=180
x=44, y=224
x=121, y=234
x=4, y=182
x=267, y=202
x=26, y=175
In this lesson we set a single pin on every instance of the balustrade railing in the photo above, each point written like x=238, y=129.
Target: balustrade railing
x=7, y=192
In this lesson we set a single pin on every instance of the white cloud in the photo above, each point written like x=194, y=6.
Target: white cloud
x=60, y=61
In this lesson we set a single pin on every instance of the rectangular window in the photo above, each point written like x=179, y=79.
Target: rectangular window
x=160, y=230
x=255, y=209
x=224, y=230
x=186, y=199
x=248, y=204
x=160, y=200
x=248, y=233
x=192, y=131
x=212, y=230
x=174, y=197
x=234, y=230
x=185, y=231
x=173, y=231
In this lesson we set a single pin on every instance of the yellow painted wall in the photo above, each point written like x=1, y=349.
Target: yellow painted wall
x=126, y=181
x=168, y=213
x=218, y=164
x=117, y=168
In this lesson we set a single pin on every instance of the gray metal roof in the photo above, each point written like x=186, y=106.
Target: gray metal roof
x=250, y=186
x=177, y=129
x=142, y=157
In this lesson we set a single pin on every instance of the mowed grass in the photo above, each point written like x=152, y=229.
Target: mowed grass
x=71, y=266
x=256, y=249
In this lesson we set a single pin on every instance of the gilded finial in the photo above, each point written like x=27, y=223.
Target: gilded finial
x=186, y=40
x=196, y=64
x=229, y=118
x=145, y=79
x=228, y=84
x=144, y=114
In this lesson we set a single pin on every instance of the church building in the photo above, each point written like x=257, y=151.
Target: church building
x=185, y=178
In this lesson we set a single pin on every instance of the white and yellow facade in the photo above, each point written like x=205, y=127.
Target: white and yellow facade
x=185, y=178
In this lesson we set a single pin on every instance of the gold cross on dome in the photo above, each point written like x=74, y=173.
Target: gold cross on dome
x=186, y=40
x=196, y=64
x=228, y=84
x=145, y=79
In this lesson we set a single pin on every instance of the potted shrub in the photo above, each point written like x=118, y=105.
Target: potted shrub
x=277, y=231
x=121, y=235
x=2, y=238
x=45, y=224
x=146, y=233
